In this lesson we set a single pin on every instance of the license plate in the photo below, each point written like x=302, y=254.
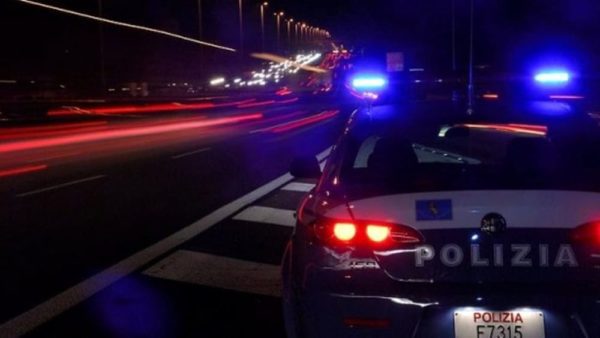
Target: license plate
x=498, y=324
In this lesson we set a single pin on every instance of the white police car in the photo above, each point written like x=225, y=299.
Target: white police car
x=427, y=222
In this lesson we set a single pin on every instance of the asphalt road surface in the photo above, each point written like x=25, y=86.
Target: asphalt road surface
x=153, y=221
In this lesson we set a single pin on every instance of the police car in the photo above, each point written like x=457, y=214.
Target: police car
x=428, y=222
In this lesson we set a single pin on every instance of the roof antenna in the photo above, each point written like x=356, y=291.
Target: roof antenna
x=470, y=86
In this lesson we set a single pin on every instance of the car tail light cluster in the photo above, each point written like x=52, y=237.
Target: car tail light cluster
x=588, y=233
x=352, y=233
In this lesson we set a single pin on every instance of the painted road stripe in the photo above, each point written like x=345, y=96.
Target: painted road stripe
x=299, y=186
x=268, y=215
x=69, y=298
x=60, y=186
x=219, y=272
x=190, y=153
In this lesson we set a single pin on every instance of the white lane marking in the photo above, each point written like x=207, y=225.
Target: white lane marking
x=268, y=215
x=42, y=313
x=190, y=153
x=60, y=186
x=219, y=272
x=299, y=186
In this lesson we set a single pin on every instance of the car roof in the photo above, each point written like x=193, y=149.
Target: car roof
x=557, y=116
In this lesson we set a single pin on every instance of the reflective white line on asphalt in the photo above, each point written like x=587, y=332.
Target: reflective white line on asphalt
x=190, y=153
x=69, y=298
x=60, y=186
x=268, y=215
x=299, y=186
x=219, y=272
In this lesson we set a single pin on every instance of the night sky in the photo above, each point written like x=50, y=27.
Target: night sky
x=509, y=33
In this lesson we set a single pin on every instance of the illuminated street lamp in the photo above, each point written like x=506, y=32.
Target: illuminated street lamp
x=279, y=16
x=262, y=23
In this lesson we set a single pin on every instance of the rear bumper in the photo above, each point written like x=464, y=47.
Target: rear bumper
x=338, y=315
x=369, y=304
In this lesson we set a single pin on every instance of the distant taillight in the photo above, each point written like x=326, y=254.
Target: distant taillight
x=344, y=231
x=588, y=233
x=378, y=233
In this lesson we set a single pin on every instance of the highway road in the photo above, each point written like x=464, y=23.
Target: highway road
x=163, y=220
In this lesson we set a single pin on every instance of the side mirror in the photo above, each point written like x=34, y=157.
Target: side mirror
x=305, y=167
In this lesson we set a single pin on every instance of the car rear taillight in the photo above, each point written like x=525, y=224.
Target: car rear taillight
x=344, y=231
x=364, y=233
x=378, y=233
x=587, y=234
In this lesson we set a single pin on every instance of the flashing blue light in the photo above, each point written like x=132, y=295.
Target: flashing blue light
x=370, y=82
x=558, y=77
x=474, y=237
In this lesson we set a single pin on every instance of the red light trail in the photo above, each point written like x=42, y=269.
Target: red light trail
x=144, y=130
x=22, y=170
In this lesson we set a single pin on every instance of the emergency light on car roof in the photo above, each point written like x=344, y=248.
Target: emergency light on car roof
x=552, y=77
x=369, y=82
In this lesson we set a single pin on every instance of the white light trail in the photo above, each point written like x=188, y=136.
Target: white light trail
x=127, y=25
x=217, y=81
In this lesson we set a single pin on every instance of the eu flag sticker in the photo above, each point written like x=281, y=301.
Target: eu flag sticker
x=434, y=210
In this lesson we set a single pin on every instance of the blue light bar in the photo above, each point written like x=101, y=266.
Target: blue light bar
x=552, y=77
x=374, y=82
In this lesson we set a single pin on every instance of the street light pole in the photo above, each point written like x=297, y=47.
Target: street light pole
x=453, y=35
x=200, y=30
x=289, y=32
x=200, y=20
x=470, y=88
x=262, y=23
x=279, y=15
x=241, y=16
x=101, y=48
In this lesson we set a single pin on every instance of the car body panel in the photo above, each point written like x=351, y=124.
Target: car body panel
x=397, y=289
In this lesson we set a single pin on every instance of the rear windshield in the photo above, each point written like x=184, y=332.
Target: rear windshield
x=468, y=156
